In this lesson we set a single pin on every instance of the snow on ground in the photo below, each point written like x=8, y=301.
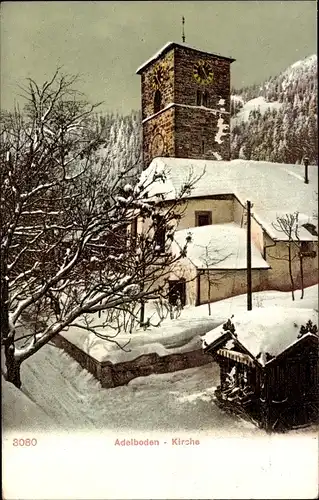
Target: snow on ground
x=267, y=330
x=183, y=333
x=19, y=410
x=181, y=400
x=258, y=103
x=75, y=400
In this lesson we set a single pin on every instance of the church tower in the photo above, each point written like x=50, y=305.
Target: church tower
x=185, y=104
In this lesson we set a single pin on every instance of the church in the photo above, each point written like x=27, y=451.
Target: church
x=187, y=131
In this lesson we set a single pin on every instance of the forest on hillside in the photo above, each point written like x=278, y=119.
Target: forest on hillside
x=274, y=121
x=284, y=129
x=285, y=133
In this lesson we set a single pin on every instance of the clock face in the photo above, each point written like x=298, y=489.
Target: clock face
x=157, y=145
x=159, y=75
x=203, y=72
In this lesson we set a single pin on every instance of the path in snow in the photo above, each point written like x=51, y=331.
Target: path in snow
x=176, y=401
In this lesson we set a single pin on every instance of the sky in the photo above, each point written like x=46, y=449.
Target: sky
x=105, y=42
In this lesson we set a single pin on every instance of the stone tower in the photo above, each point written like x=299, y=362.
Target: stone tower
x=185, y=104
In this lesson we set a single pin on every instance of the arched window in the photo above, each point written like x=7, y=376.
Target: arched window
x=157, y=101
x=202, y=98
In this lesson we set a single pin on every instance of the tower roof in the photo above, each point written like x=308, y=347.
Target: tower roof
x=171, y=45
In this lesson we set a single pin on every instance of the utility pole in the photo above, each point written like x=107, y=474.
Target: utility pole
x=306, y=163
x=142, y=310
x=249, y=286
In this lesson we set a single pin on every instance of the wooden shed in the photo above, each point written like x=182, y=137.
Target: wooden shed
x=269, y=366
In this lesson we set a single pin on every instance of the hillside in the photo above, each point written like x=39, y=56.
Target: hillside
x=277, y=120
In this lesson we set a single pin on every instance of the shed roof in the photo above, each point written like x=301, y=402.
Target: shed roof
x=269, y=330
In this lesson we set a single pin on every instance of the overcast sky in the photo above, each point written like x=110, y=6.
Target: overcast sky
x=105, y=42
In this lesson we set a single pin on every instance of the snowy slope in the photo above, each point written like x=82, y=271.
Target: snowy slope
x=277, y=119
x=79, y=459
x=298, y=69
x=20, y=411
x=260, y=104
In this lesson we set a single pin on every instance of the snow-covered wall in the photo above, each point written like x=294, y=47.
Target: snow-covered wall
x=113, y=375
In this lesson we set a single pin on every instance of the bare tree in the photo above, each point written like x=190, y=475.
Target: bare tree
x=211, y=257
x=289, y=225
x=66, y=253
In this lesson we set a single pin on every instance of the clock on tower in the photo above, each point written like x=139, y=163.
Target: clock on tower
x=185, y=104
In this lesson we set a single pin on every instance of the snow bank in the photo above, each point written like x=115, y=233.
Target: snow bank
x=267, y=330
x=219, y=246
x=19, y=411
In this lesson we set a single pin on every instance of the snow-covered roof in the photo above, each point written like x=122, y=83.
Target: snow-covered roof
x=219, y=246
x=266, y=330
x=275, y=189
x=170, y=45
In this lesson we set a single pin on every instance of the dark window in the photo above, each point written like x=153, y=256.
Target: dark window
x=305, y=246
x=203, y=218
x=203, y=146
x=157, y=101
x=177, y=290
x=202, y=98
x=160, y=233
x=306, y=249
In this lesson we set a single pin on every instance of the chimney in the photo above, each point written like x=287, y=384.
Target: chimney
x=306, y=163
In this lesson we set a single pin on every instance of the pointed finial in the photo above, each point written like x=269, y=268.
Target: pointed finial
x=183, y=31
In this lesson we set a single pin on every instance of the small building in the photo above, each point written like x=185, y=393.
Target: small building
x=269, y=366
x=215, y=265
x=214, y=213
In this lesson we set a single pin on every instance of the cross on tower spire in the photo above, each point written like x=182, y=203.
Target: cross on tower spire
x=183, y=30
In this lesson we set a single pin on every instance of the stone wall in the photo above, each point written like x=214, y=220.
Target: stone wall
x=113, y=375
x=166, y=89
x=196, y=134
x=159, y=126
